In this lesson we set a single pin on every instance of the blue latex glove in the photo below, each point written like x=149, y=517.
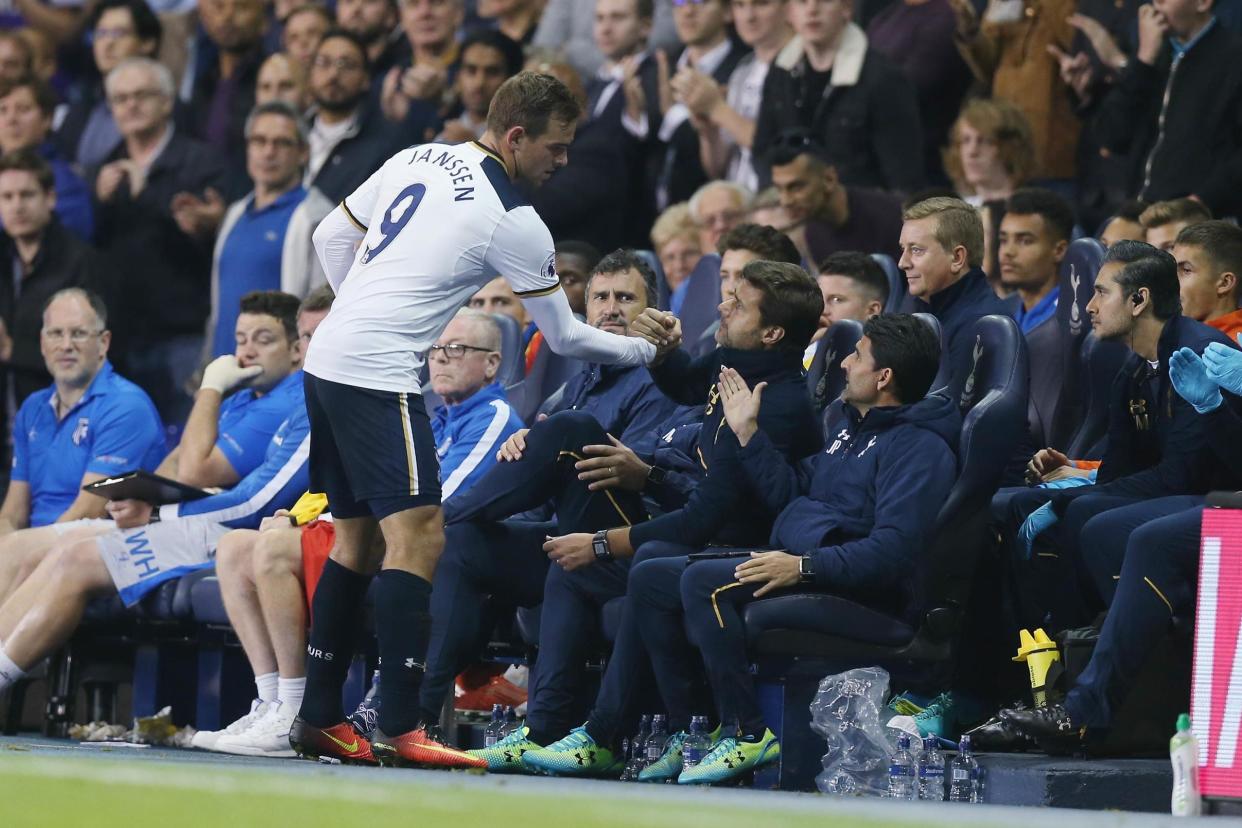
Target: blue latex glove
x=1224, y=367
x=1039, y=520
x=1190, y=377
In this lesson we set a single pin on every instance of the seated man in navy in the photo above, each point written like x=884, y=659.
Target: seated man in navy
x=1146, y=565
x=1157, y=443
x=852, y=520
x=942, y=256
x=490, y=546
x=765, y=324
x=89, y=424
x=244, y=398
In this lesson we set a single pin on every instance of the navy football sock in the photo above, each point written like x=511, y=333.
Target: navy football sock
x=403, y=625
x=335, y=611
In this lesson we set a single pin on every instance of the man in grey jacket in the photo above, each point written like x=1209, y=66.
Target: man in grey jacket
x=265, y=240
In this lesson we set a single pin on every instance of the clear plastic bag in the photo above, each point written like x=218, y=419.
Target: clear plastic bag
x=847, y=711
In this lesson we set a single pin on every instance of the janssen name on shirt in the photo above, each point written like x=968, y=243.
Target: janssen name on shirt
x=454, y=166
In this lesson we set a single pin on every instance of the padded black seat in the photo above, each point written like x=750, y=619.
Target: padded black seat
x=610, y=619
x=1077, y=282
x=825, y=379
x=512, y=358
x=206, y=603
x=699, y=308
x=896, y=282
x=994, y=401
x=783, y=623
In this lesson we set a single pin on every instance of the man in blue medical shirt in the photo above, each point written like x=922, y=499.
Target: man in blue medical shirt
x=88, y=424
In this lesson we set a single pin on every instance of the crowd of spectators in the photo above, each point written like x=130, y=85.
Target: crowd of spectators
x=163, y=167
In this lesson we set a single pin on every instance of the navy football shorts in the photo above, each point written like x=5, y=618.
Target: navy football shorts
x=372, y=452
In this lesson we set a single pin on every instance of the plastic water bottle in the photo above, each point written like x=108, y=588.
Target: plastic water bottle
x=627, y=775
x=1184, y=754
x=638, y=747
x=697, y=744
x=901, y=783
x=493, y=733
x=963, y=774
x=931, y=771
x=511, y=723
x=658, y=739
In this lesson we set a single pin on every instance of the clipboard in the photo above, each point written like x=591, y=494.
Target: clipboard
x=145, y=486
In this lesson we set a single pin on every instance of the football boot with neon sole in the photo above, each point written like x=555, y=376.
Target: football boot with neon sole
x=421, y=748
x=731, y=758
x=506, y=755
x=340, y=742
x=575, y=755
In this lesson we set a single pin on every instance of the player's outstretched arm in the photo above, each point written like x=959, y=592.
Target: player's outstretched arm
x=336, y=241
x=569, y=337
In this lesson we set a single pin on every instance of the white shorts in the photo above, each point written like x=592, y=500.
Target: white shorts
x=82, y=523
x=141, y=559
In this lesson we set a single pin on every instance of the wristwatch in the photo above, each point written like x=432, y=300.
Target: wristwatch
x=656, y=476
x=806, y=570
x=599, y=545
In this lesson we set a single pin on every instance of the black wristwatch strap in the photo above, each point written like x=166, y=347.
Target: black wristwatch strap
x=599, y=545
x=806, y=570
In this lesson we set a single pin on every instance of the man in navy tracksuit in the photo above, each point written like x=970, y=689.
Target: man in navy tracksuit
x=1157, y=443
x=852, y=522
x=1149, y=575
x=491, y=546
x=765, y=326
x=941, y=255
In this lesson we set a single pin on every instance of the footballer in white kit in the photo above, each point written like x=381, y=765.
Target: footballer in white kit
x=403, y=253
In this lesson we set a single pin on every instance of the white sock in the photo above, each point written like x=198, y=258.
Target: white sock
x=266, y=685
x=9, y=672
x=290, y=692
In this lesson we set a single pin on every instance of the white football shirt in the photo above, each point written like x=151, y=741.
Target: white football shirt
x=440, y=221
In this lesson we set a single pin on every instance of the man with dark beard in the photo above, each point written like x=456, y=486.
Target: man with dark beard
x=348, y=138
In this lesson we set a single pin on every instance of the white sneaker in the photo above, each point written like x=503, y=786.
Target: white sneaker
x=206, y=739
x=268, y=736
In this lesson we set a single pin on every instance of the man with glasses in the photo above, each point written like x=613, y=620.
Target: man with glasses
x=265, y=239
x=268, y=577
x=164, y=252
x=88, y=424
x=349, y=138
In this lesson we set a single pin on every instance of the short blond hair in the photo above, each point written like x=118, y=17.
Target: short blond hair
x=957, y=224
x=674, y=223
x=1174, y=210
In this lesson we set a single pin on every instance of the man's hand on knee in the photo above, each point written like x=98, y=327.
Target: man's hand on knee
x=512, y=449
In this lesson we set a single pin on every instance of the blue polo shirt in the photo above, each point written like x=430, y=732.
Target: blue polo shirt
x=113, y=429
x=250, y=260
x=1044, y=310
x=248, y=421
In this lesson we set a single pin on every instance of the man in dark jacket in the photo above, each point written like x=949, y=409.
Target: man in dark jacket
x=492, y=545
x=1149, y=574
x=161, y=308
x=349, y=138
x=1157, y=442
x=1177, y=108
x=766, y=324
x=857, y=103
x=941, y=255
x=853, y=520
x=46, y=258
